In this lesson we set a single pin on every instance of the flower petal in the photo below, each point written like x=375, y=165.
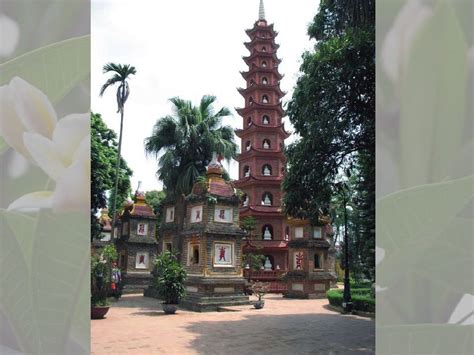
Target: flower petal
x=32, y=201
x=33, y=107
x=69, y=133
x=399, y=40
x=10, y=35
x=72, y=193
x=45, y=154
x=11, y=126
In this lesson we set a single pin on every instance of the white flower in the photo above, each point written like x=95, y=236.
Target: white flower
x=60, y=148
x=24, y=108
x=399, y=40
x=9, y=36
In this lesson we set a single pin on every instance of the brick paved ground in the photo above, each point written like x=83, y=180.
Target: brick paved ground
x=137, y=325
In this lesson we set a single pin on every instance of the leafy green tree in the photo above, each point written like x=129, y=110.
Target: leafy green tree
x=186, y=141
x=248, y=224
x=103, y=157
x=121, y=73
x=333, y=111
x=155, y=199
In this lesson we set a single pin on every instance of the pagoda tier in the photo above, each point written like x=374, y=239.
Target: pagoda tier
x=259, y=57
x=261, y=41
x=261, y=87
x=253, y=128
x=248, y=75
x=257, y=106
x=259, y=28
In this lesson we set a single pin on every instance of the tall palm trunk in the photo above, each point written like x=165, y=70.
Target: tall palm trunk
x=117, y=169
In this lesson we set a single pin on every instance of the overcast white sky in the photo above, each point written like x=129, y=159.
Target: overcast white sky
x=185, y=48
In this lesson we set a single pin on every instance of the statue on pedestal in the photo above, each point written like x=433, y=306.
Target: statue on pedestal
x=268, y=264
x=266, y=200
x=266, y=234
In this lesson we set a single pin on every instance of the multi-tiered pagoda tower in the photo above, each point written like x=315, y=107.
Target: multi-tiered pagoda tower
x=261, y=162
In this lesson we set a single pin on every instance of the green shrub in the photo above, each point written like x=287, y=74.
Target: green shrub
x=361, y=299
x=335, y=297
x=101, y=267
x=169, y=276
x=363, y=303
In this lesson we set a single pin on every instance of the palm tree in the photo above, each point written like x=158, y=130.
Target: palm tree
x=187, y=140
x=121, y=75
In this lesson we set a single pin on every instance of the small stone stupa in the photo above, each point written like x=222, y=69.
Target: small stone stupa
x=137, y=244
x=211, y=244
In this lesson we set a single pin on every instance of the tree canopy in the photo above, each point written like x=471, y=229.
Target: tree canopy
x=103, y=158
x=184, y=142
x=333, y=111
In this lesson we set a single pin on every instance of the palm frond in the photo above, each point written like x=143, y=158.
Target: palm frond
x=113, y=80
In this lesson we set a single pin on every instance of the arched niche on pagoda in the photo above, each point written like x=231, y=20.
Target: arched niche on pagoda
x=265, y=119
x=245, y=200
x=267, y=199
x=267, y=232
x=249, y=121
x=265, y=99
x=246, y=171
x=265, y=80
x=266, y=170
x=248, y=146
x=266, y=144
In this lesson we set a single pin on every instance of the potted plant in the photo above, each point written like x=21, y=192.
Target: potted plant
x=101, y=266
x=169, y=281
x=259, y=289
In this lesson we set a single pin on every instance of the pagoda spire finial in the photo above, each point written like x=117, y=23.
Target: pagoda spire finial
x=261, y=11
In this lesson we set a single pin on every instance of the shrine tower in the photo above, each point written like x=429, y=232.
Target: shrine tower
x=261, y=161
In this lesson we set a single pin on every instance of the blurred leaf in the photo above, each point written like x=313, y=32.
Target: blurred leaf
x=416, y=215
x=62, y=252
x=60, y=275
x=3, y=146
x=55, y=69
x=16, y=299
x=428, y=245
x=425, y=339
x=433, y=99
x=45, y=264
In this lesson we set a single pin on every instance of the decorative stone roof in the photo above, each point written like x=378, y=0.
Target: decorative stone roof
x=140, y=208
x=215, y=183
x=105, y=221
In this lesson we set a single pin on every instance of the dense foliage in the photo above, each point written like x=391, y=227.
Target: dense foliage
x=333, y=111
x=185, y=141
x=361, y=299
x=101, y=275
x=248, y=224
x=103, y=158
x=169, y=276
x=155, y=199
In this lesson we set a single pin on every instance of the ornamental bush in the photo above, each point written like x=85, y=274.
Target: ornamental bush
x=361, y=299
x=169, y=277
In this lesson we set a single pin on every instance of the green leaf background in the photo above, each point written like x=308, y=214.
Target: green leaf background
x=44, y=258
x=426, y=225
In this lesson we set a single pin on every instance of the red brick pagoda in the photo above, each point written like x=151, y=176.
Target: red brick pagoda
x=261, y=162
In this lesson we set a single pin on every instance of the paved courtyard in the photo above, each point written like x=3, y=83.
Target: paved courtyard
x=137, y=325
